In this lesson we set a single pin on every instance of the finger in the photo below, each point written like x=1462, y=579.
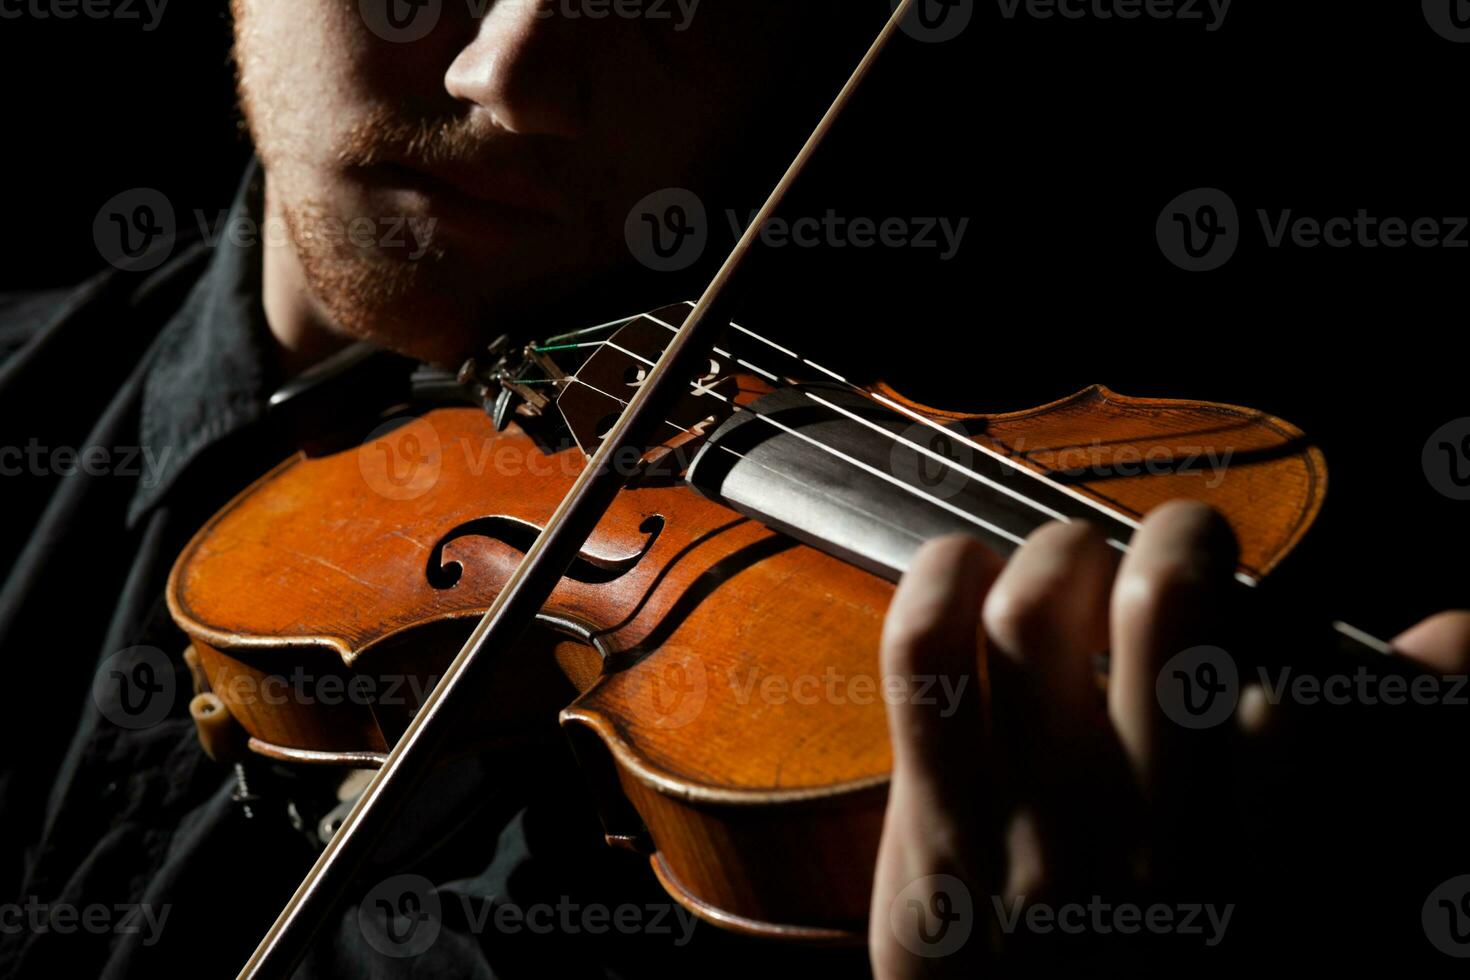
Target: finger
x=1164, y=603
x=931, y=660
x=936, y=840
x=1441, y=642
x=1048, y=614
x=1173, y=690
x=1045, y=618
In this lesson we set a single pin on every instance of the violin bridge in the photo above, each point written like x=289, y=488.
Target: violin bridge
x=593, y=399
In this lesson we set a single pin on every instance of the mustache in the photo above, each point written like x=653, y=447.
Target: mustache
x=387, y=136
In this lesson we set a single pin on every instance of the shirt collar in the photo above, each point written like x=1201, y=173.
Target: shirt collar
x=210, y=373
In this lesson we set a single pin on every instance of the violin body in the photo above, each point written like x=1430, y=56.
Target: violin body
x=719, y=679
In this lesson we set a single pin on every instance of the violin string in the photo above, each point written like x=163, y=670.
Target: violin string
x=897, y=407
x=586, y=331
x=923, y=450
x=1005, y=461
x=909, y=413
x=852, y=461
x=867, y=468
x=954, y=465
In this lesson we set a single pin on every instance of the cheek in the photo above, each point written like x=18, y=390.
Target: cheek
x=299, y=69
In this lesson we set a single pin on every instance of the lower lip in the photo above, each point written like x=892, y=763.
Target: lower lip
x=422, y=194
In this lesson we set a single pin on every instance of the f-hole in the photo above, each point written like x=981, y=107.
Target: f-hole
x=590, y=568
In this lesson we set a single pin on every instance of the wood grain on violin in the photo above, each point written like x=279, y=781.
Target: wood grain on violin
x=723, y=679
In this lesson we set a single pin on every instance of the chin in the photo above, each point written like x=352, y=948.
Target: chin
x=436, y=310
x=438, y=327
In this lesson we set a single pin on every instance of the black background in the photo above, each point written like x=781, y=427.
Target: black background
x=1062, y=141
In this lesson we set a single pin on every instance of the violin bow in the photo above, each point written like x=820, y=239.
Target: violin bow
x=531, y=585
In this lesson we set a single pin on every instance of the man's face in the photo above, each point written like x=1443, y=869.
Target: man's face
x=448, y=168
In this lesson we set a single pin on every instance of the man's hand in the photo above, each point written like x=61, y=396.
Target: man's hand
x=1036, y=786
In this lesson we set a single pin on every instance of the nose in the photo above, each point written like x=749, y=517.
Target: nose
x=521, y=69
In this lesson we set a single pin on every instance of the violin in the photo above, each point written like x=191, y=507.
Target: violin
x=683, y=536
x=713, y=645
